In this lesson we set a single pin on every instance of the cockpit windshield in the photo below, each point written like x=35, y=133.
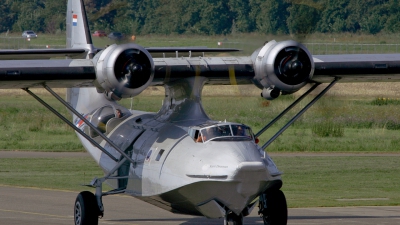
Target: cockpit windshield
x=215, y=131
x=222, y=132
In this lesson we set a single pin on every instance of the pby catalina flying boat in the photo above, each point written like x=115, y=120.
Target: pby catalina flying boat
x=178, y=158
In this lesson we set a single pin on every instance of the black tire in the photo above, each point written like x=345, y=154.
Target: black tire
x=276, y=212
x=233, y=219
x=86, y=211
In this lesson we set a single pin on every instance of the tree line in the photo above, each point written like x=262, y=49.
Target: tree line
x=209, y=17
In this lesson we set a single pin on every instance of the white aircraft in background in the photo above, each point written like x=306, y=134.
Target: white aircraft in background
x=178, y=158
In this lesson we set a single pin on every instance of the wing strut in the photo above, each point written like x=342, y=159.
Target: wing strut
x=77, y=129
x=70, y=124
x=88, y=123
x=286, y=110
x=300, y=113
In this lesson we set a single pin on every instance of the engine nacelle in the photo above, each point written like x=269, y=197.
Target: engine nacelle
x=282, y=67
x=123, y=71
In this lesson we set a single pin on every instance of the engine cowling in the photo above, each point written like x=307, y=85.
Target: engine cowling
x=123, y=71
x=282, y=67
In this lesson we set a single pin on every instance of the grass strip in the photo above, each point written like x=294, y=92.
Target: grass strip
x=344, y=125
x=309, y=181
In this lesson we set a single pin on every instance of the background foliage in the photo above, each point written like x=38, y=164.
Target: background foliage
x=209, y=16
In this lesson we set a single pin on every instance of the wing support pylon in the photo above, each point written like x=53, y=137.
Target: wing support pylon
x=69, y=123
x=297, y=115
x=96, y=182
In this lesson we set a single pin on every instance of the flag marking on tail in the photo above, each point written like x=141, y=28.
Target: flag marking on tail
x=74, y=20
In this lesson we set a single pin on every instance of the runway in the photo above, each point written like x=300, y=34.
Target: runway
x=41, y=207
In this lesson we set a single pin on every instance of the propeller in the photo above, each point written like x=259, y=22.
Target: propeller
x=292, y=65
x=132, y=68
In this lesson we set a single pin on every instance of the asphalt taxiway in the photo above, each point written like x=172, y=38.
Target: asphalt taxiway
x=49, y=207
x=35, y=206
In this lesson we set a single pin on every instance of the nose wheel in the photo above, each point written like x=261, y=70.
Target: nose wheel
x=86, y=211
x=273, y=208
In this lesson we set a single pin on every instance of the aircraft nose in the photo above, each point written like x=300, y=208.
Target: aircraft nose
x=249, y=175
x=245, y=167
x=245, y=182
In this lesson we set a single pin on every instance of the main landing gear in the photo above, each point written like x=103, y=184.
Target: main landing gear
x=273, y=208
x=86, y=211
x=233, y=219
x=88, y=207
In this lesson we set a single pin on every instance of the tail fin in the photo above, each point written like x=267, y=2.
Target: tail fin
x=79, y=37
x=78, y=33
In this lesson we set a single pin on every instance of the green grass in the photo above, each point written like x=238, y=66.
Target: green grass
x=321, y=181
x=309, y=181
x=362, y=124
x=60, y=173
x=342, y=43
x=354, y=140
x=26, y=124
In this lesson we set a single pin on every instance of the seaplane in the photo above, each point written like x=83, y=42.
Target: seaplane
x=178, y=158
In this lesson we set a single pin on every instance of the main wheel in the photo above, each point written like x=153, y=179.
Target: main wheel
x=233, y=219
x=276, y=211
x=86, y=211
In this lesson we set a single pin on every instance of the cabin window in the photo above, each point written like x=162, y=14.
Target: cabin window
x=160, y=153
x=101, y=116
x=148, y=155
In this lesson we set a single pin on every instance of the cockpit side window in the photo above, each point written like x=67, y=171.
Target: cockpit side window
x=240, y=130
x=196, y=135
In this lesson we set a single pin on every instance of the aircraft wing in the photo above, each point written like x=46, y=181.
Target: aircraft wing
x=42, y=54
x=55, y=73
x=188, y=49
x=33, y=67
x=22, y=54
x=109, y=68
x=162, y=52
x=357, y=67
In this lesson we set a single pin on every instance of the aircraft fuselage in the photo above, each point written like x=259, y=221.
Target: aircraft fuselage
x=183, y=161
